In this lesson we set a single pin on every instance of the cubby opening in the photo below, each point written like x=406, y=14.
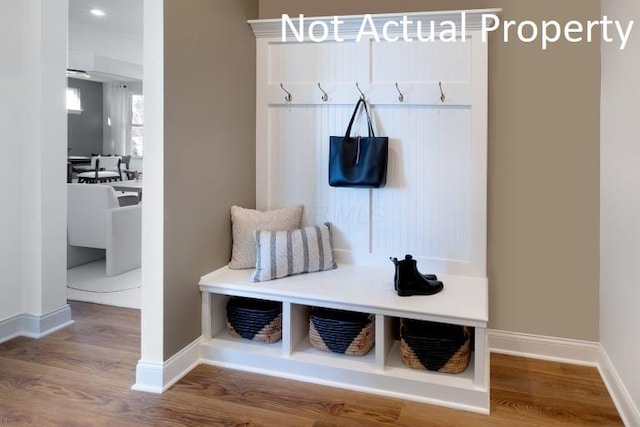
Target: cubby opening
x=302, y=349
x=221, y=334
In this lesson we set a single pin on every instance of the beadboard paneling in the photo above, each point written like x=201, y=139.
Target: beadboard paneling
x=316, y=62
x=434, y=203
x=426, y=208
x=421, y=62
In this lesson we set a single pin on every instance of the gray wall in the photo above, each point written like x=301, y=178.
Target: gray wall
x=209, y=147
x=543, y=184
x=85, y=130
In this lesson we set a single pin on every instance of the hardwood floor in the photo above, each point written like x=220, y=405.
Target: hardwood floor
x=81, y=376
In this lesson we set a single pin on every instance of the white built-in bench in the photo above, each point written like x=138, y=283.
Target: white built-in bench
x=433, y=205
x=357, y=288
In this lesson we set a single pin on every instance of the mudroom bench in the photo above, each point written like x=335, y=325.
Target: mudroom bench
x=359, y=289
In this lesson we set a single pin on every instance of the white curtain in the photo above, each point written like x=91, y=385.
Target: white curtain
x=117, y=119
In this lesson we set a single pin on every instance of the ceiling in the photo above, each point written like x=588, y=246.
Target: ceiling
x=122, y=16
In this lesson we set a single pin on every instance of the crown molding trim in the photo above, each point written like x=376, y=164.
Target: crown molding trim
x=350, y=25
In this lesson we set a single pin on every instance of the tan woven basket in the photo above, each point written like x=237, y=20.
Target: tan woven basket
x=456, y=364
x=360, y=345
x=270, y=333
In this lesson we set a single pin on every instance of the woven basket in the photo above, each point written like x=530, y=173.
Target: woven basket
x=271, y=332
x=253, y=319
x=342, y=332
x=435, y=346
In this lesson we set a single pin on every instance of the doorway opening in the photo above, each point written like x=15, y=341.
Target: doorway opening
x=105, y=105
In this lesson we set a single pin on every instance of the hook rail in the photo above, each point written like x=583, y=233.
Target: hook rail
x=325, y=96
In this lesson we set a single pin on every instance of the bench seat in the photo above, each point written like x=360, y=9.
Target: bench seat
x=462, y=301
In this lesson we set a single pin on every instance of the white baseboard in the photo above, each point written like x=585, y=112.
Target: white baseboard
x=626, y=407
x=32, y=326
x=149, y=377
x=181, y=363
x=10, y=328
x=546, y=348
x=41, y=326
x=156, y=377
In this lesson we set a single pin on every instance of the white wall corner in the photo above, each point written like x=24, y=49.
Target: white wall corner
x=546, y=348
x=32, y=326
x=627, y=408
x=157, y=377
x=152, y=315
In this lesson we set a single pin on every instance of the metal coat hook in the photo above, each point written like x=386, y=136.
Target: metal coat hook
x=400, y=96
x=442, y=95
x=325, y=96
x=361, y=94
x=288, y=97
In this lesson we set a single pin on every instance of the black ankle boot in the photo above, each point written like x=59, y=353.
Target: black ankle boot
x=409, y=281
x=395, y=261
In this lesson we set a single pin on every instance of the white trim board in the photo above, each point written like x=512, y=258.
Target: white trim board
x=627, y=409
x=329, y=382
x=350, y=24
x=554, y=349
x=157, y=377
x=33, y=326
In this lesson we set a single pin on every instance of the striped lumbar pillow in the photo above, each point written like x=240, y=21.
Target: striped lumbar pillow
x=283, y=253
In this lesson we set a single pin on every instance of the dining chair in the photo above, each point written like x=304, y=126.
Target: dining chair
x=106, y=169
x=133, y=168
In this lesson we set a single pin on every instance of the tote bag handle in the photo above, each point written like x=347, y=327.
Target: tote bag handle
x=353, y=116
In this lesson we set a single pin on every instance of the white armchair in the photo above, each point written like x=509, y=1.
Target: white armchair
x=95, y=220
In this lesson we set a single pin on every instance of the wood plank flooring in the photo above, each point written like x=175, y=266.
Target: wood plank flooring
x=81, y=376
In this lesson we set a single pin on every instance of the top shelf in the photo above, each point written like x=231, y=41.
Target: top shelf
x=359, y=288
x=470, y=19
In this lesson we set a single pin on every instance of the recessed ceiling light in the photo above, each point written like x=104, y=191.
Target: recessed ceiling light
x=97, y=12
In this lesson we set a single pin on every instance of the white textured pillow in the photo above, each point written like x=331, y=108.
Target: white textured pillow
x=245, y=223
x=283, y=253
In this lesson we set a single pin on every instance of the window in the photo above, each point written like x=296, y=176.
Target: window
x=137, y=124
x=73, y=100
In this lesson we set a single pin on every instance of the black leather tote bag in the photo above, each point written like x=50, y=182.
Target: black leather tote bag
x=358, y=161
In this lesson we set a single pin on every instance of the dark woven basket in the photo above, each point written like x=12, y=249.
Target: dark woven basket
x=435, y=346
x=254, y=319
x=339, y=331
